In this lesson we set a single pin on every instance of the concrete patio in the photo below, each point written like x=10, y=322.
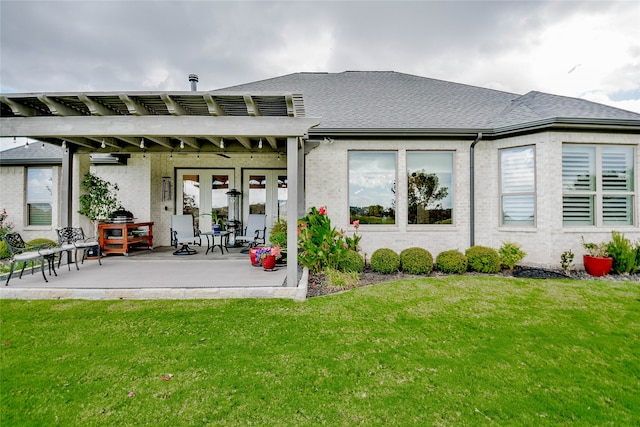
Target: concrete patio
x=158, y=274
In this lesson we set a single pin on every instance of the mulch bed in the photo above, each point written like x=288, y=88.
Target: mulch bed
x=319, y=285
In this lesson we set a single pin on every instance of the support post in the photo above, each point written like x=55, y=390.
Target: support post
x=66, y=188
x=292, y=212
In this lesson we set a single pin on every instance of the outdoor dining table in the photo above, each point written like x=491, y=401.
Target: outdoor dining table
x=224, y=237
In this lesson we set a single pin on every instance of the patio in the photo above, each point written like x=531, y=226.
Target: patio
x=158, y=274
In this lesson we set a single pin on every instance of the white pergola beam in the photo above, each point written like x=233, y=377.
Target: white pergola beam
x=214, y=108
x=58, y=108
x=94, y=107
x=160, y=126
x=174, y=107
x=19, y=109
x=272, y=142
x=134, y=107
x=246, y=142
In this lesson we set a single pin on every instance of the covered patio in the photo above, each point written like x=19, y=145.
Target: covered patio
x=156, y=127
x=158, y=274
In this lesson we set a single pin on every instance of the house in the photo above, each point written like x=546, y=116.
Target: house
x=417, y=161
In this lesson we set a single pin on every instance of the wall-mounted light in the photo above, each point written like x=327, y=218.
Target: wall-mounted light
x=141, y=142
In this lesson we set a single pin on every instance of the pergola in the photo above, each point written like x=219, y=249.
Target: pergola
x=132, y=122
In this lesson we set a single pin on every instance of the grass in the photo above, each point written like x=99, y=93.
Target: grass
x=458, y=351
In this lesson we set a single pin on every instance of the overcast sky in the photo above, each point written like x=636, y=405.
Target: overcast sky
x=586, y=49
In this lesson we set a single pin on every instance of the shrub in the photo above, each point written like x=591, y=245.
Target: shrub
x=483, y=259
x=416, y=261
x=341, y=279
x=41, y=242
x=626, y=256
x=278, y=233
x=566, y=261
x=385, y=261
x=452, y=262
x=352, y=262
x=320, y=244
x=510, y=254
x=4, y=250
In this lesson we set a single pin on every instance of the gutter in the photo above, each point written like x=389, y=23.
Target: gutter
x=472, y=188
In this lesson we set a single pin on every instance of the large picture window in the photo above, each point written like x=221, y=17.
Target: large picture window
x=597, y=185
x=39, y=195
x=518, y=186
x=372, y=187
x=430, y=187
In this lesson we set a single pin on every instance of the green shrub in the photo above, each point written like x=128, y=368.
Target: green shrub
x=341, y=279
x=4, y=250
x=278, y=233
x=626, y=256
x=452, y=262
x=385, y=261
x=483, y=259
x=416, y=261
x=351, y=261
x=510, y=254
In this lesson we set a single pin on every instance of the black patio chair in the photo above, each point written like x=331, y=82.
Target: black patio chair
x=20, y=252
x=73, y=239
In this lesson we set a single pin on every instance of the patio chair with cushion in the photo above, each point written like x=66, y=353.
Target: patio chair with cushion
x=255, y=231
x=21, y=253
x=73, y=239
x=183, y=233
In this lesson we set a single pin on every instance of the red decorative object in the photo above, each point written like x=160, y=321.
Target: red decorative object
x=269, y=262
x=597, y=266
x=253, y=256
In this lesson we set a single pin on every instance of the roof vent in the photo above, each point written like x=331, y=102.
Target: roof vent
x=193, y=78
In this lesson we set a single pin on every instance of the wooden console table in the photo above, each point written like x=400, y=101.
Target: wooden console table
x=119, y=238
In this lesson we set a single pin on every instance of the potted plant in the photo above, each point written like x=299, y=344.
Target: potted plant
x=99, y=199
x=267, y=256
x=597, y=261
x=217, y=223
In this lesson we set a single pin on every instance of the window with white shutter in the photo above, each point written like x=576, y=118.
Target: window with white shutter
x=39, y=195
x=518, y=186
x=597, y=185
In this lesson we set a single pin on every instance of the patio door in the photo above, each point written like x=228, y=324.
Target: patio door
x=203, y=191
x=265, y=192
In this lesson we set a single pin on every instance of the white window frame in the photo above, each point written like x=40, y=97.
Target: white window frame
x=523, y=193
x=395, y=185
x=38, y=198
x=451, y=188
x=596, y=191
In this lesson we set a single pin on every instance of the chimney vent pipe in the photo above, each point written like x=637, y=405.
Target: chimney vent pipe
x=193, y=78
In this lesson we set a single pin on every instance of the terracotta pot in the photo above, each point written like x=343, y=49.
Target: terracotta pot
x=252, y=256
x=597, y=266
x=269, y=262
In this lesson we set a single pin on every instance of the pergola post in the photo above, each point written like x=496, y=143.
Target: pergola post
x=66, y=188
x=292, y=211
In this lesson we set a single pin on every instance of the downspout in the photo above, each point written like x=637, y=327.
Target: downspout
x=472, y=189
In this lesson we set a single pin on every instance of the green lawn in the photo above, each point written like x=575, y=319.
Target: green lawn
x=434, y=351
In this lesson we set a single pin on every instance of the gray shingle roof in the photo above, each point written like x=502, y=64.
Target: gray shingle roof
x=385, y=100
x=34, y=154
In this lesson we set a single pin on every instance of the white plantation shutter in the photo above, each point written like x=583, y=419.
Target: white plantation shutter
x=517, y=185
x=39, y=195
x=613, y=193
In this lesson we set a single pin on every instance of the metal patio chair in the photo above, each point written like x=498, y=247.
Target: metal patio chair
x=255, y=231
x=73, y=239
x=21, y=253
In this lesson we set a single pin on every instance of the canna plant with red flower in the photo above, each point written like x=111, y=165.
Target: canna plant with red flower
x=320, y=245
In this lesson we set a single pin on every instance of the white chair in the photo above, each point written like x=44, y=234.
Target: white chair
x=255, y=230
x=183, y=233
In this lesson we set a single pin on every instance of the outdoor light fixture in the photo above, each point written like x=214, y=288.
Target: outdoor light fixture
x=103, y=145
x=171, y=156
x=198, y=157
x=181, y=144
x=260, y=144
x=221, y=142
x=64, y=144
x=278, y=156
x=141, y=142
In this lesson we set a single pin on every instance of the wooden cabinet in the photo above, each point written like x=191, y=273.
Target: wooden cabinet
x=121, y=238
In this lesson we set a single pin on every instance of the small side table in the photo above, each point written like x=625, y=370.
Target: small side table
x=211, y=243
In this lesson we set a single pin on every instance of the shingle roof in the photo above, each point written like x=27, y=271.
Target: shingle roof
x=33, y=154
x=385, y=100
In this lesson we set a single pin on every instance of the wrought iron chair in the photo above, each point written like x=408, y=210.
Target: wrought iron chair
x=73, y=239
x=183, y=233
x=21, y=253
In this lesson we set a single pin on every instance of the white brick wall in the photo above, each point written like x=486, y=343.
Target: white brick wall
x=327, y=178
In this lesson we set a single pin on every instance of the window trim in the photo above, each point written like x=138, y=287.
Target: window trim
x=28, y=202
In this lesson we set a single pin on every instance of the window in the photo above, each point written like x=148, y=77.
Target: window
x=518, y=186
x=39, y=195
x=597, y=185
x=372, y=187
x=430, y=187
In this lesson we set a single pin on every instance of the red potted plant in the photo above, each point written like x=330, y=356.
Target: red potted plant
x=597, y=262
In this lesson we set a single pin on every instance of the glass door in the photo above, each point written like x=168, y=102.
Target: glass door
x=265, y=192
x=203, y=194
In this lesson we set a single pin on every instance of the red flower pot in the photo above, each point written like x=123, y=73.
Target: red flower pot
x=252, y=256
x=597, y=266
x=269, y=262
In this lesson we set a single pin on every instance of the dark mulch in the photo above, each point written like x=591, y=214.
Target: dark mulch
x=319, y=285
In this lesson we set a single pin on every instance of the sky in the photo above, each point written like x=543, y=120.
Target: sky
x=583, y=49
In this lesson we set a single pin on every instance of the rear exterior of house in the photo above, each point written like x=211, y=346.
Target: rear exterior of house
x=417, y=161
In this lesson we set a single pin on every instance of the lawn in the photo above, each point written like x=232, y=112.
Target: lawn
x=472, y=350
